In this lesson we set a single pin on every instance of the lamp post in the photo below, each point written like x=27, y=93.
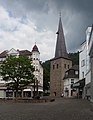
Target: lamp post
x=37, y=86
x=34, y=89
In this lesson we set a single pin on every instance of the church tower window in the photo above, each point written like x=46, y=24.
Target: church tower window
x=64, y=65
x=53, y=67
x=68, y=66
x=57, y=66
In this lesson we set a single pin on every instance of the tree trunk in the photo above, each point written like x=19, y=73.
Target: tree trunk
x=17, y=84
x=37, y=87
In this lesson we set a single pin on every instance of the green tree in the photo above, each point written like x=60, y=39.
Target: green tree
x=46, y=75
x=74, y=57
x=18, y=72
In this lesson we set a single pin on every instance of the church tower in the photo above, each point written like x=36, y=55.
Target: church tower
x=59, y=64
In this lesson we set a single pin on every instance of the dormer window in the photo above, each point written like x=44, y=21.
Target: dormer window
x=82, y=63
x=66, y=73
x=76, y=72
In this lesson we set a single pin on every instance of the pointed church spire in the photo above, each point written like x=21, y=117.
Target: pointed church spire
x=60, y=44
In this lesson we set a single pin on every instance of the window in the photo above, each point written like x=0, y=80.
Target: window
x=64, y=65
x=53, y=66
x=57, y=66
x=36, y=68
x=9, y=94
x=76, y=72
x=82, y=74
x=68, y=66
x=82, y=63
x=72, y=81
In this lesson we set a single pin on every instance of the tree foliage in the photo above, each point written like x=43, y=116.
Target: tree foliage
x=46, y=75
x=18, y=72
x=74, y=57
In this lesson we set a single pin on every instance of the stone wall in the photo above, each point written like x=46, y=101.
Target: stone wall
x=57, y=72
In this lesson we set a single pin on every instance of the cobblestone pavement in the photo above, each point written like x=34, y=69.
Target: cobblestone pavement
x=61, y=109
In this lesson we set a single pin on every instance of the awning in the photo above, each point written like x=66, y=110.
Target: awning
x=25, y=90
x=3, y=88
x=40, y=90
x=79, y=84
x=88, y=85
x=76, y=85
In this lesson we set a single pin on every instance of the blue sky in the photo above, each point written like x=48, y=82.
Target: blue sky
x=24, y=22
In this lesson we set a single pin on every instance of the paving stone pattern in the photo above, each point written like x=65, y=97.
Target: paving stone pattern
x=61, y=109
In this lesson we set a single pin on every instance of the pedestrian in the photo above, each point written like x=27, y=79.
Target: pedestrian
x=62, y=95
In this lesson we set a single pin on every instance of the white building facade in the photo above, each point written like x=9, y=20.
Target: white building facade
x=34, y=55
x=82, y=61
x=71, y=77
x=38, y=67
x=84, y=64
x=91, y=63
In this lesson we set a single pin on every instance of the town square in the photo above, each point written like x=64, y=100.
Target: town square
x=61, y=109
x=46, y=60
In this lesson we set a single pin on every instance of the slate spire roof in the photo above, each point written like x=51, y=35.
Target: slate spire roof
x=35, y=48
x=60, y=44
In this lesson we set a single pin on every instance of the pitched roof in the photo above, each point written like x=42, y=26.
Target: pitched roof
x=74, y=67
x=35, y=48
x=3, y=54
x=60, y=44
x=24, y=52
x=21, y=53
x=71, y=72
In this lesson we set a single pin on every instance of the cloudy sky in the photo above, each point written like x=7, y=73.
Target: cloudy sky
x=24, y=22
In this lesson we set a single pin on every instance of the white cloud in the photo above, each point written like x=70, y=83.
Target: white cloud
x=22, y=33
x=39, y=20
